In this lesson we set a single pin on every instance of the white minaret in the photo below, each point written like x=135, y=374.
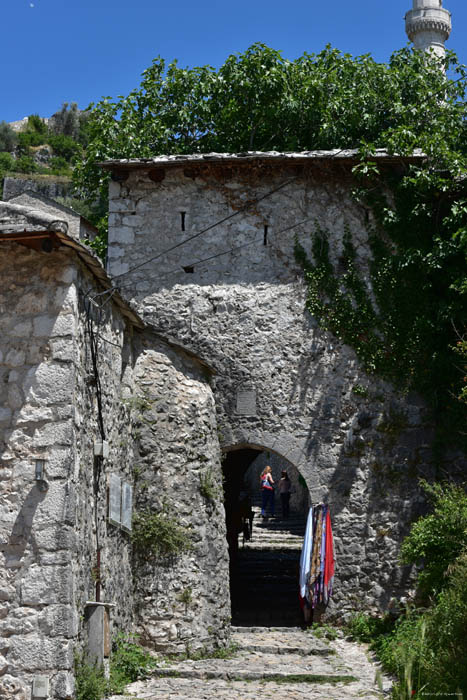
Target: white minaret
x=428, y=25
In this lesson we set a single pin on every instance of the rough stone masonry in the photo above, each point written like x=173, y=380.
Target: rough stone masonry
x=204, y=246
x=76, y=365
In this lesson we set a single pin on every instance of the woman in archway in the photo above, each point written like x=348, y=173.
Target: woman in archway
x=267, y=491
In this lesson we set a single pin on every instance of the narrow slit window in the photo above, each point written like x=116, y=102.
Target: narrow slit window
x=182, y=219
x=265, y=239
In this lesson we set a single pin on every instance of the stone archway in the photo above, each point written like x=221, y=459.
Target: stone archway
x=264, y=559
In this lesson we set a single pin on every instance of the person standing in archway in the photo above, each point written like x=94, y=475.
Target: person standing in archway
x=285, y=488
x=267, y=491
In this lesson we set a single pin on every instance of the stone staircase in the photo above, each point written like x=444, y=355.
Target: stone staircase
x=272, y=663
x=264, y=580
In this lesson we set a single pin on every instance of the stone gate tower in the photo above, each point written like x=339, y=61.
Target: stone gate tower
x=428, y=25
x=204, y=247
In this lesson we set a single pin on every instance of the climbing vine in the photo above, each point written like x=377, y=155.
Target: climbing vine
x=401, y=312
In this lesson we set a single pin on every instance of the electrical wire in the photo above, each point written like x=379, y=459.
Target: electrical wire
x=252, y=241
x=205, y=230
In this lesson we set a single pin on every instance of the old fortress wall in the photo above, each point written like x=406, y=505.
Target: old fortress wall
x=282, y=384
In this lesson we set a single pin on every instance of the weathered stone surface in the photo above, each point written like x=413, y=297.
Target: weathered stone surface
x=262, y=666
x=47, y=586
x=32, y=653
x=178, y=446
x=244, y=311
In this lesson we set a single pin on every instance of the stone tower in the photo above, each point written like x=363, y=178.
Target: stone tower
x=428, y=25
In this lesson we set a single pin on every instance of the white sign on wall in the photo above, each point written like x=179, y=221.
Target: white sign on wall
x=120, y=502
x=115, y=499
x=127, y=504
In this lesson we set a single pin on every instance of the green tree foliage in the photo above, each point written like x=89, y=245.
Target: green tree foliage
x=36, y=124
x=438, y=539
x=64, y=146
x=426, y=648
x=67, y=121
x=259, y=100
x=6, y=163
x=8, y=137
x=25, y=164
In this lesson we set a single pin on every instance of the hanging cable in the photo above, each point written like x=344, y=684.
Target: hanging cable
x=195, y=263
x=205, y=230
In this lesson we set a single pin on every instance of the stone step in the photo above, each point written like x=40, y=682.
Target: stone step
x=265, y=667
x=271, y=544
x=285, y=641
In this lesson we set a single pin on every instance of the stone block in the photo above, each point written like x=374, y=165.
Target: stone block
x=59, y=621
x=49, y=585
x=133, y=220
x=34, y=653
x=7, y=592
x=53, y=434
x=13, y=688
x=58, y=505
x=64, y=685
x=67, y=274
x=23, y=329
x=55, y=537
x=5, y=414
x=15, y=396
x=66, y=299
x=116, y=252
x=52, y=326
x=15, y=358
x=32, y=303
x=16, y=623
x=60, y=462
x=117, y=267
x=50, y=383
x=123, y=234
x=33, y=414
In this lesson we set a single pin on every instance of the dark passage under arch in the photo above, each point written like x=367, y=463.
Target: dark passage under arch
x=264, y=559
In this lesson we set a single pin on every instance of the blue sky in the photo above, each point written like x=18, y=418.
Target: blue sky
x=55, y=51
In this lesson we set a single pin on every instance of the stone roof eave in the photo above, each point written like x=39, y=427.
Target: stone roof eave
x=349, y=156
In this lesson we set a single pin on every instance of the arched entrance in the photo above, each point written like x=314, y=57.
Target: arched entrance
x=264, y=552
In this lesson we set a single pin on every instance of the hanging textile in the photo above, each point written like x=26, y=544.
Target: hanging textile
x=317, y=561
x=305, y=557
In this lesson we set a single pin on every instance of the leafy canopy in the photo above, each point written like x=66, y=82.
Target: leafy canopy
x=259, y=100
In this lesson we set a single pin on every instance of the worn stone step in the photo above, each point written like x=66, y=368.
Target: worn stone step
x=284, y=643
x=252, y=674
x=255, y=666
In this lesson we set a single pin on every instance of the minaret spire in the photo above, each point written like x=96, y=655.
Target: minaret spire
x=428, y=25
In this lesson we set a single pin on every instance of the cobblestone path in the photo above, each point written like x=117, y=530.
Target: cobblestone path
x=279, y=663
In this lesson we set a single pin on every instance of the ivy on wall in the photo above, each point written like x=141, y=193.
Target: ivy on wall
x=402, y=314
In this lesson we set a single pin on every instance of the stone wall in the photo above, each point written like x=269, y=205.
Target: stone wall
x=282, y=384
x=49, y=411
x=47, y=186
x=104, y=379
x=183, y=601
x=38, y=346
x=68, y=384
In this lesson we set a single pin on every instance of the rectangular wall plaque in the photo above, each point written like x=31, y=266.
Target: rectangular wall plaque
x=40, y=687
x=246, y=402
x=127, y=505
x=115, y=499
